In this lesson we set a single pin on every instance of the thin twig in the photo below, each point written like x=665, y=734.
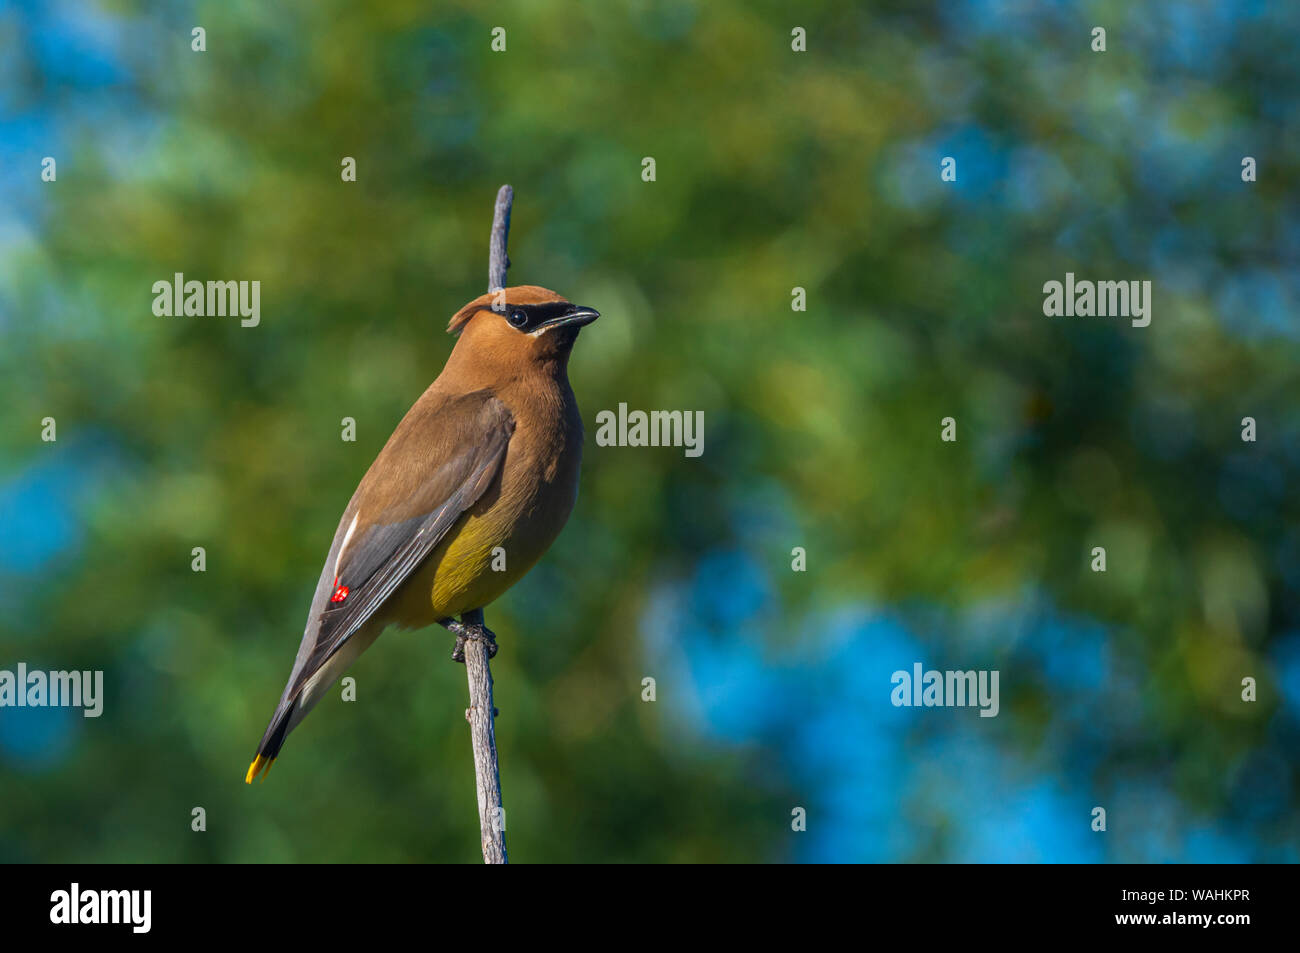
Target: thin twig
x=498, y=260
x=487, y=777
x=481, y=713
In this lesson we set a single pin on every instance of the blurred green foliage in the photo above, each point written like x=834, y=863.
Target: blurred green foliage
x=774, y=170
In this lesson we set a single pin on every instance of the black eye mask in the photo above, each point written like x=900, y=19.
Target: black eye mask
x=529, y=317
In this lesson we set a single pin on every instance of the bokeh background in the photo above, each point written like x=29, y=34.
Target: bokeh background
x=775, y=169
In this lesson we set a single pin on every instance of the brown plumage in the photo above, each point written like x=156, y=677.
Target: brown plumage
x=488, y=457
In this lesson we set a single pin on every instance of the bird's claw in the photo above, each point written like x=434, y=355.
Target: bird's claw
x=465, y=632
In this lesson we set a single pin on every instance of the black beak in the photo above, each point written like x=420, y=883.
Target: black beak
x=576, y=316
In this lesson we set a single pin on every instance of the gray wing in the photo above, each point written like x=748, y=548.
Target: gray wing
x=439, y=462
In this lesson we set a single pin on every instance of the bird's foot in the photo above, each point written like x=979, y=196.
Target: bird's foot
x=479, y=633
x=464, y=632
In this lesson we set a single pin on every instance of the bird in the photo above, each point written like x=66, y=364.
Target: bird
x=471, y=489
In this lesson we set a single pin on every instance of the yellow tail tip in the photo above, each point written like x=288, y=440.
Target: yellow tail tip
x=260, y=762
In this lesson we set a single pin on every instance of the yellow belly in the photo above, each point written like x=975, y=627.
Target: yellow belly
x=521, y=514
x=466, y=571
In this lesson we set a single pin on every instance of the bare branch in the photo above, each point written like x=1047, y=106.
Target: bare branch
x=498, y=260
x=487, y=777
x=481, y=713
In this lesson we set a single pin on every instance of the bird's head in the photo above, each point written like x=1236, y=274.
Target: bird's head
x=525, y=323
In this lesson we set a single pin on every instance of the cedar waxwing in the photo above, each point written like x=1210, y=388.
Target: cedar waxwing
x=488, y=457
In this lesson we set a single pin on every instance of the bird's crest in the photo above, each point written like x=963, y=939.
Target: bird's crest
x=501, y=300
